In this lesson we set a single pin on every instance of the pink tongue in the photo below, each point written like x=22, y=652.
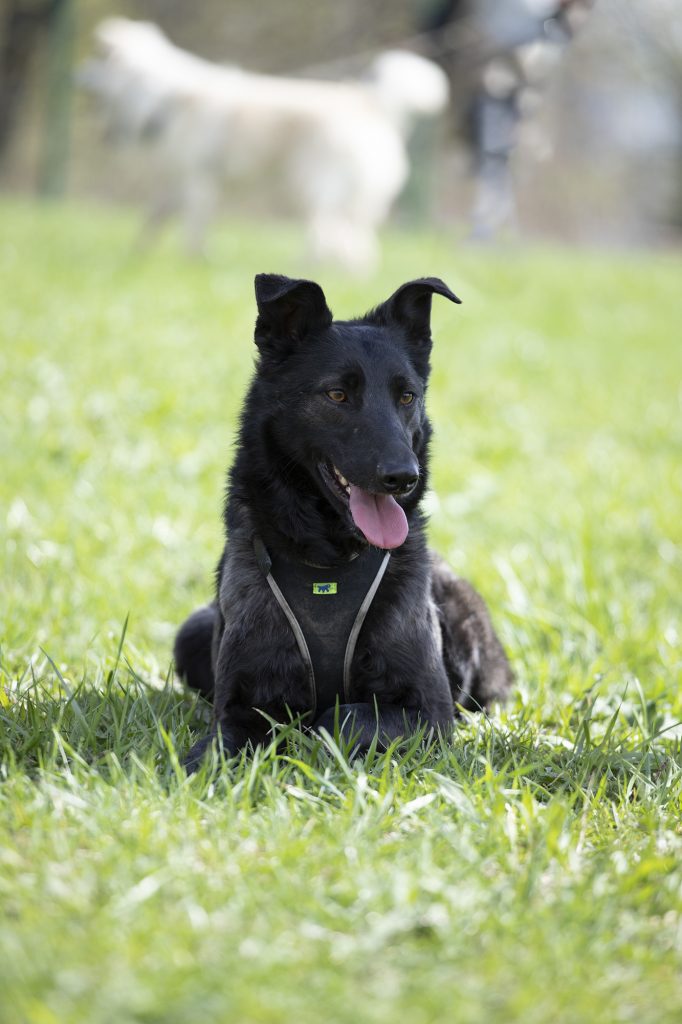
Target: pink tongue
x=379, y=516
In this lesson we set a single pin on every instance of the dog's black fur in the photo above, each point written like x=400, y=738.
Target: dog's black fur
x=337, y=394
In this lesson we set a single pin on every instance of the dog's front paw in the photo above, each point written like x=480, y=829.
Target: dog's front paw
x=328, y=719
x=192, y=761
x=354, y=724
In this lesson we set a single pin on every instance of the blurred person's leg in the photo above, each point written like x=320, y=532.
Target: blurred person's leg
x=495, y=130
x=494, y=206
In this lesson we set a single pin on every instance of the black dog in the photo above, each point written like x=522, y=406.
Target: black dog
x=326, y=589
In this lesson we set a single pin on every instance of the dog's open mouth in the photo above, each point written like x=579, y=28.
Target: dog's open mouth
x=378, y=517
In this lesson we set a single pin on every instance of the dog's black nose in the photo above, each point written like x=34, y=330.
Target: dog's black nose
x=399, y=479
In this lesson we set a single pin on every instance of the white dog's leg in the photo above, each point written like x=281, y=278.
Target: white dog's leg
x=165, y=204
x=355, y=247
x=200, y=201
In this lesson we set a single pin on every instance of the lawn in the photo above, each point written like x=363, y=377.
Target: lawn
x=529, y=867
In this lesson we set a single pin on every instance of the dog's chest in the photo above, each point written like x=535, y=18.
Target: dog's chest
x=329, y=604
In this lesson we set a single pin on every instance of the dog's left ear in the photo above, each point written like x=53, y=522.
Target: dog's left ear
x=410, y=305
x=410, y=308
x=288, y=311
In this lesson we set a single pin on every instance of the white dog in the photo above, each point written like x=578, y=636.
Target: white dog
x=337, y=148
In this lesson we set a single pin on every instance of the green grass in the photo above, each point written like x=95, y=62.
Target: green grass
x=528, y=869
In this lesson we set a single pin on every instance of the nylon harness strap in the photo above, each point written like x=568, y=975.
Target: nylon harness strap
x=326, y=608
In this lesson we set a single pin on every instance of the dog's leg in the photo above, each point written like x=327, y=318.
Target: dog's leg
x=164, y=206
x=241, y=727
x=475, y=662
x=361, y=723
x=200, y=207
x=192, y=650
x=336, y=239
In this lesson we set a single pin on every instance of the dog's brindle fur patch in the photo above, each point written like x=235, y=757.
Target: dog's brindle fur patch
x=427, y=643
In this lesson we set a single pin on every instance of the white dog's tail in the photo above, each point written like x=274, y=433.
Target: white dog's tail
x=408, y=85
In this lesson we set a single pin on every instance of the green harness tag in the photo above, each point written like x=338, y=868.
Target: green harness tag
x=324, y=588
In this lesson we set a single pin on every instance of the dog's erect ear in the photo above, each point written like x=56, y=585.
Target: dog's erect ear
x=288, y=311
x=410, y=308
x=410, y=305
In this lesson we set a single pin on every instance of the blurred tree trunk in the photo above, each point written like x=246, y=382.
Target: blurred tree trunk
x=24, y=24
x=58, y=89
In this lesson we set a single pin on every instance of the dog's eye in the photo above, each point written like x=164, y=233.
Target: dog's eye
x=337, y=395
x=407, y=398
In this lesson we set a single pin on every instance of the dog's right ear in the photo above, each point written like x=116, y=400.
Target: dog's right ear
x=288, y=311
